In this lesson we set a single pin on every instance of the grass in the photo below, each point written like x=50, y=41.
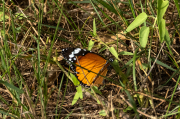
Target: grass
x=141, y=36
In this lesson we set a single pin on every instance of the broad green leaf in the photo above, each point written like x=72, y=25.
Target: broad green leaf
x=90, y=45
x=79, y=90
x=113, y=51
x=74, y=80
x=138, y=21
x=94, y=27
x=162, y=27
x=143, y=36
x=162, y=7
x=102, y=113
x=76, y=97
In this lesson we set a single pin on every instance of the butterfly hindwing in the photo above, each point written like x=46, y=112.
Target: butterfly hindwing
x=99, y=79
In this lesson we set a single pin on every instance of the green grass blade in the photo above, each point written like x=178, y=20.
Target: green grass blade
x=132, y=8
x=177, y=6
x=162, y=64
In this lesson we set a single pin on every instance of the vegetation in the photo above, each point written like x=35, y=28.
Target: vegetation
x=142, y=36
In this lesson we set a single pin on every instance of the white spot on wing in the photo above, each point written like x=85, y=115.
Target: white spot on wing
x=71, y=55
x=77, y=50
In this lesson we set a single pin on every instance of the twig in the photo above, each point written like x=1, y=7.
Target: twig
x=152, y=117
x=145, y=80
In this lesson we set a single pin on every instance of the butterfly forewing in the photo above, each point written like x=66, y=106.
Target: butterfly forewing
x=93, y=63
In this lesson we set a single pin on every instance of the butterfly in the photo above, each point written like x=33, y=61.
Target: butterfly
x=86, y=65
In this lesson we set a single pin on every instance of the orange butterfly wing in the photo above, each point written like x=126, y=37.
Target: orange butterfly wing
x=94, y=63
x=99, y=79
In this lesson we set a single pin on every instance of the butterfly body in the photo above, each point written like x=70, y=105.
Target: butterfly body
x=88, y=67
